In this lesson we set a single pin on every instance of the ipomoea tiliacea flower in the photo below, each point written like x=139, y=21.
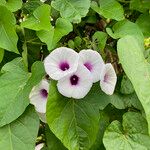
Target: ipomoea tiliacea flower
x=77, y=84
x=38, y=97
x=39, y=146
x=61, y=62
x=93, y=61
x=108, y=79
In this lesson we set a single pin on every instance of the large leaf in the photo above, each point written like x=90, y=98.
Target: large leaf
x=144, y=23
x=71, y=9
x=137, y=69
x=51, y=37
x=108, y=9
x=75, y=122
x=40, y=20
x=125, y=27
x=132, y=134
x=8, y=36
x=12, y=5
x=15, y=86
x=20, y=134
x=53, y=143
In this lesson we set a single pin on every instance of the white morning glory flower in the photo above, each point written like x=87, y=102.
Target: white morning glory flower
x=108, y=79
x=38, y=96
x=61, y=62
x=77, y=84
x=39, y=146
x=93, y=61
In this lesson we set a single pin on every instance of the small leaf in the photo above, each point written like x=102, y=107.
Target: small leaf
x=125, y=27
x=109, y=9
x=20, y=134
x=99, y=38
x=126, y=86
x=130, y=135
x=12, y=5
x=16, y=84
x=40, y=20
x=137, y=69
x=72, y=10
x=144, y=23
x=62, y=28
x=8, y=36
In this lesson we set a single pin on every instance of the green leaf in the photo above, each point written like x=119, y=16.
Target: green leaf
x=40, y=20
x=144, y=23
x=72, y=10
x=137, y=69
x=126, y=86
x=1, y=54
x=99, y=38
x=74, y=122
x=130, y=135
x=140, y=5
x=62, y=28
x=53, y=143
x=20, y=134
x=125, y=27
x=12, y=5
x=109, y=9
x=31, y=5
x=16, y=84
x=8, y=36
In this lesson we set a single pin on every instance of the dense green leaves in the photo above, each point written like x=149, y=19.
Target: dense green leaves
x=144, y=23
x=40, y=20
x=72, y=10
x=109, y=9
x=51, y=37
x=125, y=27
x=72, y=120
x=137, y=69
x=8, y=36
x=20, y=134
x=12, y=5
x=140, y=5
x=16, y=84
x=130, y=135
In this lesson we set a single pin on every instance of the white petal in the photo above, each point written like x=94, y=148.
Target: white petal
x=39, y=146
x=93, y=61
x=42, y=117
x=37, y=99
x=56, y=57
x=76, y=91
x=108, y=79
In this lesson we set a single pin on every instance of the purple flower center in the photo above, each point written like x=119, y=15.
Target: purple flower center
x=43, y=93
x=64, y=66
x=88, y=65
x=74, y=79
x=106, y=77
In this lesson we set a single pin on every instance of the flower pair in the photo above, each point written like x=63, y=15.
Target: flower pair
x=76, y=72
